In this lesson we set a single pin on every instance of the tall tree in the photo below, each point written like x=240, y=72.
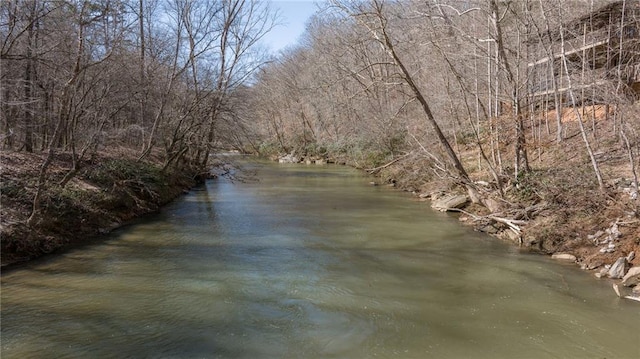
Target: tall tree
x=374, y=18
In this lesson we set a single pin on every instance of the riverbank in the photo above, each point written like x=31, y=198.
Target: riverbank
x=552, y=213
x=307, y=262
x=572, y=221
x=557, y=209
x=109, y=190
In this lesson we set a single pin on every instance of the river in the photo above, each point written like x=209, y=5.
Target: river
x=308, y=262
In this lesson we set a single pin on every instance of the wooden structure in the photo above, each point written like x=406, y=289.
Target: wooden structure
x=602, y=49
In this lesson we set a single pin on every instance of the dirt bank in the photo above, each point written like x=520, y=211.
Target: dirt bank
x=557, y=207
x=109, y=190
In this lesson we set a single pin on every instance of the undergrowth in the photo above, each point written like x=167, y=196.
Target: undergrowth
x=104, y=193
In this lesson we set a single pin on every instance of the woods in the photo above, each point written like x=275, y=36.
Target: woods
x=158, y=77
x=83, y=74
x=525, y=97
x=469, y=63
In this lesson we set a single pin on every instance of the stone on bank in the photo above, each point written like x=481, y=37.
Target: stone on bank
x=448, y=202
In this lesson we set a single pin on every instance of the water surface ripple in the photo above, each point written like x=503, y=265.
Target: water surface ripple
x=308, y=262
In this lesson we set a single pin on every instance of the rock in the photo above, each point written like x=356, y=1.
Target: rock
x=564, y=257
x=616, y=288
x=602, y=272
x=614, y=231
x=631, y=256
x=618, y=269
x=622, y=293
x=509, y=235
x=321, y=161
x=489, y=228
x=594, y=263
x=594, y=237
x=632, y=277
x=473, y=195
x=633, y=297
x=434, y=195
x=610, y=248
x=289, y=158
x=449, y=201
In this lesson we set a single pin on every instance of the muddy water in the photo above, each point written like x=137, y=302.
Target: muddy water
x=308, y=262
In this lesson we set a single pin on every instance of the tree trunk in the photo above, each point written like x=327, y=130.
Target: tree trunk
x=28, y=80
x=419, y=96
x=574, y=104
x=521, y=158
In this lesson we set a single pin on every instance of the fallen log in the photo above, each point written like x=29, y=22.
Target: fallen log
x=512, y=224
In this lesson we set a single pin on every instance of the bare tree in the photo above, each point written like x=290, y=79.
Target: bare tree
x=572, y=96
x=242, y=24
x=87, y=14
x=374, y=19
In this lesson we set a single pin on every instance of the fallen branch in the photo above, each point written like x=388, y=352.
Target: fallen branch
x=513, y=224
x=374, y=170
x=634, y=221
x=475, y=217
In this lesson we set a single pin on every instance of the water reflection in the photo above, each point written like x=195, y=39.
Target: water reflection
x=308, y=262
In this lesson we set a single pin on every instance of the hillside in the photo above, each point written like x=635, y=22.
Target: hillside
x=559, y=203
x=110, y=189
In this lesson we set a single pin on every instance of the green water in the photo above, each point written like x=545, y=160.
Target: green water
x=308, y=262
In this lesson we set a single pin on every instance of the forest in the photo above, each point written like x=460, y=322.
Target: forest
x=526, y=108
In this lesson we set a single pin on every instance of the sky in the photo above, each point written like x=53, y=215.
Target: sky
x=294, y=14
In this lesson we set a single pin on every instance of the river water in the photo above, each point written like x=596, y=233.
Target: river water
x=308, y=262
